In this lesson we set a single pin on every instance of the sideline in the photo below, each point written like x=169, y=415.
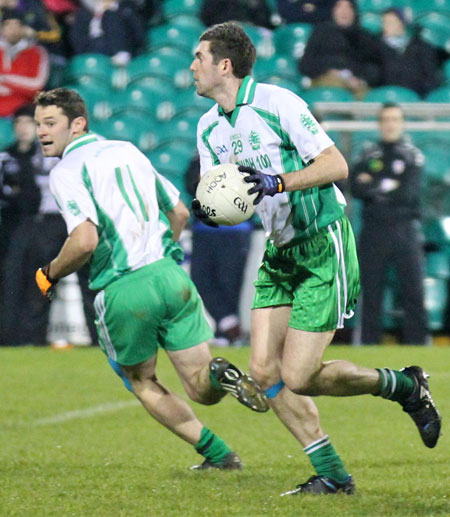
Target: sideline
x=78, y=414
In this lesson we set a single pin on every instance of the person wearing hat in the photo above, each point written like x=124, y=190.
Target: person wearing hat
x=24, y=66
x=406, y=60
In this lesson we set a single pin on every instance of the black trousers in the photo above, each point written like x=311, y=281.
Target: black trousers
x=217, y=269
x=397, y=244
x=35, y=242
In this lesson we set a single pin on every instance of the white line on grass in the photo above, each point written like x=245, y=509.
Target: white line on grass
x=77, y=414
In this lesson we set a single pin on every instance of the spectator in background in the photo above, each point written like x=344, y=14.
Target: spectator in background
x=38, y=232
x=305, y=11
x=112, y=28
x=406, y=60
x=387, y=178
x=24, y=66
x=219, y=256
x=341, y=53
x=256, y=12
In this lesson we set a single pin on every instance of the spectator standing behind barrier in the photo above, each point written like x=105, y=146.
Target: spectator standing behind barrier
x=38, y=234
x=24, y=66
x=406, y=60
x=112, y=28
x=219, y=256
x=341, y=53
x=256, y=12
x=387, y=177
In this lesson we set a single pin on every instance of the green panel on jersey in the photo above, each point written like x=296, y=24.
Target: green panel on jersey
x=110, y=259
x=171, y=248
x=138, y=195
x=122, y=189
x=164, y=201
x=205, y=136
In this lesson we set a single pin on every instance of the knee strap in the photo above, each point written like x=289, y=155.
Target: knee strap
x=273, y=391
x=116, y=367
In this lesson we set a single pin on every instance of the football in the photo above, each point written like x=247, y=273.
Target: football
x=222, y=193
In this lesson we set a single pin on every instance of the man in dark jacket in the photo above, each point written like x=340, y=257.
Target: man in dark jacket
x=341, y=53
x=406, y=61
x=387, y=178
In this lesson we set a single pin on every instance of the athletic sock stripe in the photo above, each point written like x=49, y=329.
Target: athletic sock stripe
x=314, y=446
x=394, y=382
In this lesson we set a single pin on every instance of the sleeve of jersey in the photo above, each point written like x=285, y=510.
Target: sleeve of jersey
x=204, y=151
x=73, y=199
x=303, y=129
x=166, y=193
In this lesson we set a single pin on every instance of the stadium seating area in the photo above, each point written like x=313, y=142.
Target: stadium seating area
x=152, y=102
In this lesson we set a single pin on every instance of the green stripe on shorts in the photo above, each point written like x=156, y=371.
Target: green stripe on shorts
x=318, y=278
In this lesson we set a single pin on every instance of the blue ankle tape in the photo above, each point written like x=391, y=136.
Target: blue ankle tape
x=273, y=391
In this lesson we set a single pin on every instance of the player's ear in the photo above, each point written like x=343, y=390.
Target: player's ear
x=79, y=124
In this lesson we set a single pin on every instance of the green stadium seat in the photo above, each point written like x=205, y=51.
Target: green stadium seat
x=437, y=161
x=182, y=128
x=276, y=66
x=261, y=38
x=435, y=29
x=153, y=97
x=192, y=22
x=437, y=232
x=446, y=72
x=391, y=94
x=172, y=8
x=173, y=36
x=438, y=264
x=327, y=94
x=439, y=95
x=188, y=101
x=436, y=293
x=290, y=39
x=294, y=85
x=89, y=68
x=6, y=133
x=97, y=98
x=377, y=6
x=170, y=64
x=372, y=22
x=421, y=7
x=125, y=128
x=172, y=158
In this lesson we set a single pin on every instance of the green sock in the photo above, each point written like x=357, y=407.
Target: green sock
x=395, y=385
x=211, y=446
x=326, y=461
x=214, y=382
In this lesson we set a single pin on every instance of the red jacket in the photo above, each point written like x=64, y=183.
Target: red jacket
x=24, y=70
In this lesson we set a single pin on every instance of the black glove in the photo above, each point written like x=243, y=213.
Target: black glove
x=201, y=215
x=264, y=184
x=45, y=282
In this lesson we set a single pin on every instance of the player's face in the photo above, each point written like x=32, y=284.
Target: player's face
x=53, y=129
x=207, y=77
x=25, y=129
x=391, y=124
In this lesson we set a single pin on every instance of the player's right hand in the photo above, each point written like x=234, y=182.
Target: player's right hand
x=201, y=215
x=45, y=282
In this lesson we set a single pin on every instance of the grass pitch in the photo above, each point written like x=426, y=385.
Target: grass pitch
x=74, y=442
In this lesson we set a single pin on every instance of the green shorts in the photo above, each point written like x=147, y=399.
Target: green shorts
x=156, y=305
x=319, y=278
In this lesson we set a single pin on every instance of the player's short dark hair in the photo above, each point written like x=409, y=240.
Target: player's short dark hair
x=388, y=105
x=70, y=101
x=228, y=40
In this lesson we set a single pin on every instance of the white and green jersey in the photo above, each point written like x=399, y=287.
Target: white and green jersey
x=272, y=130
x=115, y=186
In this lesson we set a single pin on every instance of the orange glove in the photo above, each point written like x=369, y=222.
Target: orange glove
x=45, y=282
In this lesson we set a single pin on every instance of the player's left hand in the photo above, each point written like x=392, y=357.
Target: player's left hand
x=45, y=282
x=264, y=184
